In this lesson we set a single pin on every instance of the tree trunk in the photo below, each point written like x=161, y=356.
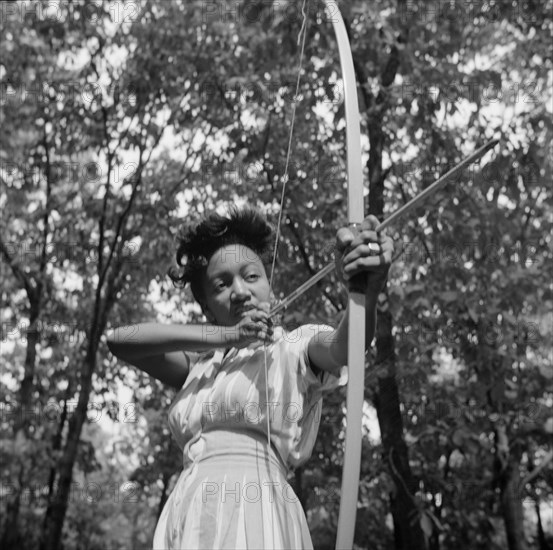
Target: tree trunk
x=26, y=389
x=511, y=507
x=541, y=534
x=10, y=536
x=508, y=479
x=408, y=534
x=56, y=446
x=57, y=507
x=164, y=496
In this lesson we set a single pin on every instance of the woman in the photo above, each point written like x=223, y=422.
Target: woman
x=249, y=393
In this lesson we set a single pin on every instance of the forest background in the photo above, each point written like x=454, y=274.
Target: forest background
x=120, y=119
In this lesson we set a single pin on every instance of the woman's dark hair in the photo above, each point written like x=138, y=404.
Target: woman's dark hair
x=199, y=240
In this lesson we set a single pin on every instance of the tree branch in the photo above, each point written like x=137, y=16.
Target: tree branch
x=536, y=471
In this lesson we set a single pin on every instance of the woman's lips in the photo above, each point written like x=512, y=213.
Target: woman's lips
x=243, y=309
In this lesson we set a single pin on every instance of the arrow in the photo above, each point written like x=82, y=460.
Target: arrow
x=400, y=212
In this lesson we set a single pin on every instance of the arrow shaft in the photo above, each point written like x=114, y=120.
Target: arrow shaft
x=399, y=213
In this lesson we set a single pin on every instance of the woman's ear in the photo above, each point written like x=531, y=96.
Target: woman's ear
x=209, y=316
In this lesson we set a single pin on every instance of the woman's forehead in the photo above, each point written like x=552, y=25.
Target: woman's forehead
x=232, y=256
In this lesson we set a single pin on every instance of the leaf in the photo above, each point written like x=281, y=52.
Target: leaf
x=449, y=295
x=426, y=525
x=497, y=392
x=473, y=315
x=546, y=370
x=509, y=318
x=458, y=437
x=411, y=289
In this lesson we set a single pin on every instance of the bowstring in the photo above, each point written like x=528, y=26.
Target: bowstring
x=300, y=42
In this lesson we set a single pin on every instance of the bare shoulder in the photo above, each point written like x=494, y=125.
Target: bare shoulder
x=320, y=349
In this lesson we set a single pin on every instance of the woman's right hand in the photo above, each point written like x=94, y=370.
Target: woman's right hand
x=255, y=325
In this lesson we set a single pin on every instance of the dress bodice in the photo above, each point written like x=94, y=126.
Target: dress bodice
x=229, y=391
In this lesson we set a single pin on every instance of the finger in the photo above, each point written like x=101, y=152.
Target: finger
x=259, y=315
x=374, y=249
x=264, y=324
x=362, y=251
x=265, y=306
x=383, y=234
x=365, y=244
x=386, y=256
x=265, y=332
x=385, y=259
x=344, y=237
x=363, y=237
x=262, y=318
x=253, y=326
x=367, y=236
x=387, y=245
x=368, y=263
x=370, y=222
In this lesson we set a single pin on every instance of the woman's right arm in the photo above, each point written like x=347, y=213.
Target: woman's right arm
x=157, y=349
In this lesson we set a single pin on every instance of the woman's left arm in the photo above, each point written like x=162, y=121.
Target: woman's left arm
x=358, y=261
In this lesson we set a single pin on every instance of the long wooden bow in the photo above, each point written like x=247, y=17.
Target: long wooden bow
x=356, y=300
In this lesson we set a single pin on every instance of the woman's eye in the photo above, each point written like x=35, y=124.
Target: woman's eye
x=252, y=277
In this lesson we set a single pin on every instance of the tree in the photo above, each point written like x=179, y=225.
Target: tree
x=122, y=119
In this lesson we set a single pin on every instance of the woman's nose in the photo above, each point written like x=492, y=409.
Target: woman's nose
x=239, y=290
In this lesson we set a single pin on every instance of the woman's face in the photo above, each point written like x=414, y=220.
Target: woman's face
x=235, y=281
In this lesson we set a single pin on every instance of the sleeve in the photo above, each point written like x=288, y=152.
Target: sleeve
x=312, y=381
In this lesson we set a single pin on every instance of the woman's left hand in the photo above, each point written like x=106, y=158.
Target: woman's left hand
x=363, y=256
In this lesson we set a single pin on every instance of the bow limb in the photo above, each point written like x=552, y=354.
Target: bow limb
x=356, y=300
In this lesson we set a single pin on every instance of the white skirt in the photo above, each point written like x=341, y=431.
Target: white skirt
x=234, y=495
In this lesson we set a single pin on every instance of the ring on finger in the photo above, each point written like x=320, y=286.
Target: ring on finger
x=374, y=249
